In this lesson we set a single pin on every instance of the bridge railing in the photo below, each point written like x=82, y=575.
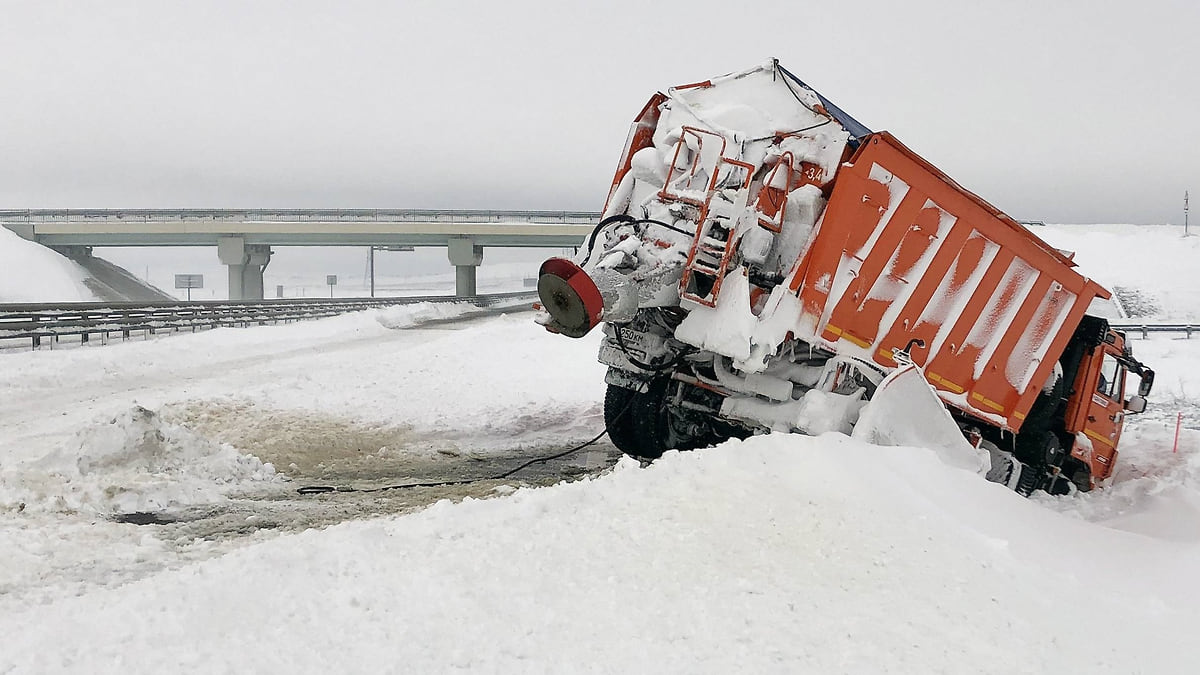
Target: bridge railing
x=35, y=216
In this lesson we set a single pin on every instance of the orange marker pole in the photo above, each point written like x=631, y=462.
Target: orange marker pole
x=1178, y=424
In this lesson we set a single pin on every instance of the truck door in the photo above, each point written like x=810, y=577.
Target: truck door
x=1105, y=379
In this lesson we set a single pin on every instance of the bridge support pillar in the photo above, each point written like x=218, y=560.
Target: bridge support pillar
x=246, y=263
x=466, y=256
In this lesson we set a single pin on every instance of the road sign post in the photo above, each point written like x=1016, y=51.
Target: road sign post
x=331, y=279
x=189, y=281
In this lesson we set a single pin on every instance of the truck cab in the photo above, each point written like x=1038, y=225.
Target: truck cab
x=1100, y=396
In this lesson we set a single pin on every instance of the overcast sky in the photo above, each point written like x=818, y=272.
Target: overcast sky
x=1066, y=111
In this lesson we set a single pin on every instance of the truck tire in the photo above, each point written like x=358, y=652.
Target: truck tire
x=618, y=420
x=651, y=421
x=1037, y=444
x=1044, y=411
x=637, y=422
x=1044, y=452
x=644, y=426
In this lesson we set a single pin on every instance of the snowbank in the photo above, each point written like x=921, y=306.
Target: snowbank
x=780, y=554
x=132, y=463
x=31, y=272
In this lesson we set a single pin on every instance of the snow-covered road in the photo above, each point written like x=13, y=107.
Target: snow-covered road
x=216, y=430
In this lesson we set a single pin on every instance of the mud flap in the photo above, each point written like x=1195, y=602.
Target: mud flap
x=906, y=411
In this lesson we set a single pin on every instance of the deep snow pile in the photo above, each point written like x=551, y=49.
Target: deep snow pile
x=31, y=272
x=135, y=463
x=780, y=554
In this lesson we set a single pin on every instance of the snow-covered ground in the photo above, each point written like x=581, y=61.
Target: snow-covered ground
x=778, y=554
x=31, y=272
x=1153, y=269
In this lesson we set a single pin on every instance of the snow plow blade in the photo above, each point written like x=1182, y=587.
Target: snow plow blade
x=906, y=411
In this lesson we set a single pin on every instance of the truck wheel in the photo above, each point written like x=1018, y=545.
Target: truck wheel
x=1042, y=452
x=642, y=425
x=618, y=419
x=652, y=421
x=1043, y=411
x=637, y=422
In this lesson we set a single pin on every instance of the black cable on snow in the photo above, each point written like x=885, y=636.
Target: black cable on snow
x=326, y=489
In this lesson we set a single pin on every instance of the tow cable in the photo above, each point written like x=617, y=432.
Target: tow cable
x=325, y=489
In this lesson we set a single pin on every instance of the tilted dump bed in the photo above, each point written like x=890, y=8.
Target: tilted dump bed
x=904, y=253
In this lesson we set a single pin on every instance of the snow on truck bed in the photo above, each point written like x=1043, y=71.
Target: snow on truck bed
x=778, y=554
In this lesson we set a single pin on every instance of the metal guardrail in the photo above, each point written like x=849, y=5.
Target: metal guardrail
x=48, y=323
x=1146, y=328
x=33, y=216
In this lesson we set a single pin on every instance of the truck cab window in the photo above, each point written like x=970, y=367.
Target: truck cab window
x=1110, y=378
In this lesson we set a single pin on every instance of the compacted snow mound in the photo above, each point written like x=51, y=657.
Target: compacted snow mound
x=31, y=272
x=132, y=463
x=782, y=553
x=409, y=316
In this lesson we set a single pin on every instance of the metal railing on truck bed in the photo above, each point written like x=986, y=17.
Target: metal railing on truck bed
x=38, y=324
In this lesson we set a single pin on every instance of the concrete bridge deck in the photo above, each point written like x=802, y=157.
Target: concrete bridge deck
x=298, y=227
x=244, y=237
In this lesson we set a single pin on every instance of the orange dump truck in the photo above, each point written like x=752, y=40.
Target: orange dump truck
x=764, y=262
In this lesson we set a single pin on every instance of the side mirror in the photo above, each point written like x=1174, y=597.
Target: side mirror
x=1136, y=404
x=1147, y=382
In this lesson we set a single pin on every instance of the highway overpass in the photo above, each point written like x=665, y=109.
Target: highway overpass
x=244, y=237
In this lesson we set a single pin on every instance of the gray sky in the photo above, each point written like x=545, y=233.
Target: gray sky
x=1066, y=111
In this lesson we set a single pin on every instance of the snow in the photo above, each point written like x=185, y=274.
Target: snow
x=996, y=319
x=135, y=463
x=1151, y=268
x=726, y=327
x=905, y=411
x=31, y=272
x=782, y=553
